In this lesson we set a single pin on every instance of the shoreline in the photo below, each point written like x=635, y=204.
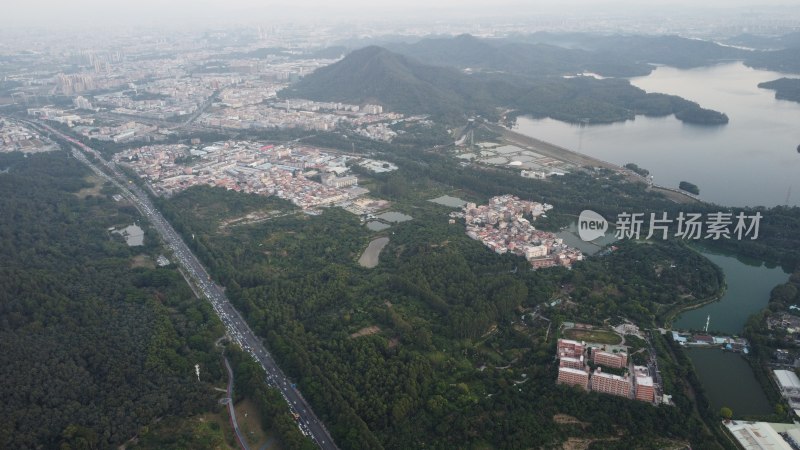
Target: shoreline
x=676, y=311
x=512, y=137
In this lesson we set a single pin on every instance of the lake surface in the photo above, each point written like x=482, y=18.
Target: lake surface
x=729, y=381
x=447, y=200
x=749, y=283
x=371, y=255
x=571, y=238
x=374, y=225
x=726, y=377
x=395, y=217
x=753, y=160
x=749, y=286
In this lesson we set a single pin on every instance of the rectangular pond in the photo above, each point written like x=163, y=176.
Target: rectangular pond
x=395, y=217
x=447, y=200
x=729, y=381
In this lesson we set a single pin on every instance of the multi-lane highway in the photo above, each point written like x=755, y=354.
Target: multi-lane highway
x=235, y=324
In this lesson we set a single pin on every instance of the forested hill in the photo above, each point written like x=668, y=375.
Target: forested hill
x=785, y=88
x=786, y=60
x=766, y=42
x=671, y=50
x=403, y=84
x=617, y=55
x=374, y=74
x=778, y=53
x=95, y=342
x=556, y=54
x=527, y=59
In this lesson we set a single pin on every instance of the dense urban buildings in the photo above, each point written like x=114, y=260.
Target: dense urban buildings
x=16, y=137
x=248, y=167
x=505, y=226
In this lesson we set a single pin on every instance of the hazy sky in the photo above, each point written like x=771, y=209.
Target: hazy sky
x=81, y=12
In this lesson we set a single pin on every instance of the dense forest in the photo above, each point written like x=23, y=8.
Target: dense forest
x=701, y=116
x=96, y=343
x=599, y=190
x=785, y=60
x=689, y=187
x=443, y=345
x=429, y=344
x=428, y=347
x=640, y=170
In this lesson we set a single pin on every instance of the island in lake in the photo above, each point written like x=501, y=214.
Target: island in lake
x=785, y=89
x=689, y=187
x=701, y=116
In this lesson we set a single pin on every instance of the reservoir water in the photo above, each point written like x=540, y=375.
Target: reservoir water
x=395, y=217
x=729, y=381
x=753, y=160
x=447, y=200
x=571, y=238
x=749, y=284
x=727, y=377
x=374, y=225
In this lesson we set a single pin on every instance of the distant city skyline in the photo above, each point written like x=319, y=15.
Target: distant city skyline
x=153, y=12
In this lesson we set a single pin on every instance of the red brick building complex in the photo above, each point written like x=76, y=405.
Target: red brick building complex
x=574, y=363
x=611, y=384
x=570, y=348
x=615, y=360
x=645, y=390
x=573, y=377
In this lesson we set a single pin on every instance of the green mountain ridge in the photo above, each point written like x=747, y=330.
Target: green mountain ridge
x=403, y=84
x=374, y=74
x=529, y=59
x=786, y=60
x=622, y=52
x=612, y=55
x=671, y=50
x=766, y=42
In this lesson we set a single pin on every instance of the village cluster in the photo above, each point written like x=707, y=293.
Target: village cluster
x=505, y=226
x=283, y=171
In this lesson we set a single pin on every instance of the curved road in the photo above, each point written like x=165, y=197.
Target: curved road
x=235, y=324
x=232, y=410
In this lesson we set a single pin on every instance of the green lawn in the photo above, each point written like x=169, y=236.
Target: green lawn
x=597, y=336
